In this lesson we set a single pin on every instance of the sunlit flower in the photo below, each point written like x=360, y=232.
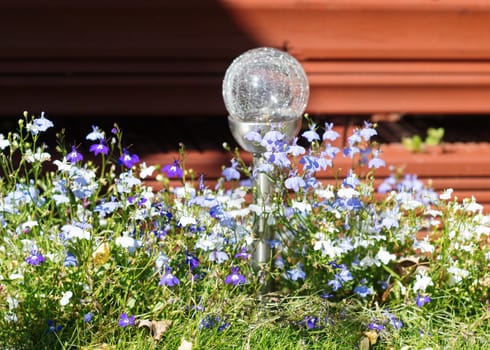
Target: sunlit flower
x=128, y=160
x=35, y=258
x=235, y=277
x=125, y=320
x=65, y=298
x=421, y=300
x=168, y=278
x=173, y=170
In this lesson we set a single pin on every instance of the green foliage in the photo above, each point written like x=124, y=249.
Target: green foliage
x=415, y=143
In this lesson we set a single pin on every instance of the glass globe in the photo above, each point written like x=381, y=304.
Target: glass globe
x=265, y=85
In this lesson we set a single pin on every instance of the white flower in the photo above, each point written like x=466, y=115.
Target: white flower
x=39, y=156
x=63, y=165
x=422, y=281
x=347, y=193
x=4, y=143
x=384, y=256
x=146, y=170
x=446, y=195
x=302, y=206
x=71, y=232
x=456, y=275
x=187, y=221
x=129, y=243
x=65, y=298
x=424, y=245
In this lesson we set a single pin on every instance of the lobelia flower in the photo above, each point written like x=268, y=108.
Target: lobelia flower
x=128, y=160
x=53, y=327
x=231, y=173
x=74, y=156
x=192, y=261
x=173, y=170
x=88, y=317
x=243, y=254
x=35, y=258
x=421, y=300
x=95, y=135
x=362, y=290
x=39, y=125
x=296, y=273
x=235, y=277
x=99, y=148
x=125, y=320
x=311, y=135
x=330, y=134
x=168, y=279
x=70, y=260
x=65, y=298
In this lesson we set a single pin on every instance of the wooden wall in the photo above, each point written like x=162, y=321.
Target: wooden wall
x=167, y=58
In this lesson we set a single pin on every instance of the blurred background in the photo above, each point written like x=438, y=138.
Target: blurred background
x=156, y=67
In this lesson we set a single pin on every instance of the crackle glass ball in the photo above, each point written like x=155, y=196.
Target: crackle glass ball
x=265, y=85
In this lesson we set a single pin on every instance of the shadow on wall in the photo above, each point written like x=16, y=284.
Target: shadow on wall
x=129, y=58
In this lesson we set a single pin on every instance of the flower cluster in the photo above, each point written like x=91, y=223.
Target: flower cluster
x=86, y=243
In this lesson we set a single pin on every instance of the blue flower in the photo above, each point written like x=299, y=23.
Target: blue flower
x=168, y=279
x=53, y=327
x=330, y=134
x=296, y=273
x=35, y=258
x=128, y=160
x=311, y=135
x=39, y=125
x=125, y=320
x=88, y=317
x=98, y=148
x=376, y=162
x=235, y=277
x=70, y=260
x=173, y=170
x=294, y=183
x=368, y=131
x=421, y=300
x=362, y=290
x=231, y=173
x=74, y=156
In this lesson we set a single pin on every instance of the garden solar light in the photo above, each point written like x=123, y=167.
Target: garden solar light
x=264, y=89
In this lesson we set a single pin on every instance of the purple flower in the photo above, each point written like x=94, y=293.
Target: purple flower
x=173, y=170
x=421, y=300
x=128, y=160
x=35, y=258
x=376, y=325
x=74, y=156
x=98, y=148
x=88, y=317
x=192, y=261
x=235, y=277
x=311, y=322
x=125, y=320
x=168, y=278
x=242, y=254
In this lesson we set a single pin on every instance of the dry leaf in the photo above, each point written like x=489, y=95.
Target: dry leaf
x=185, y=345
x=372, y=336
x=157, y=328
